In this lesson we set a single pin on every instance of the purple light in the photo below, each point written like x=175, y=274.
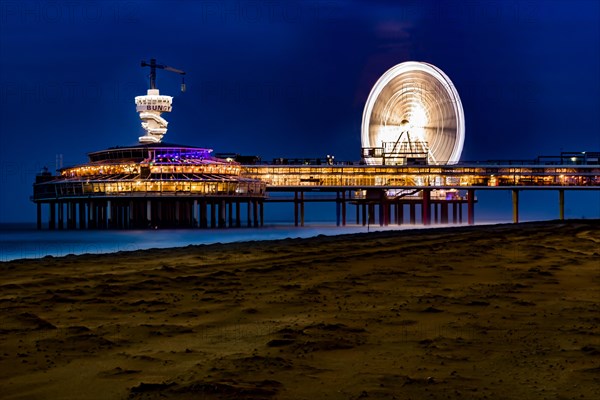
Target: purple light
x=184, y=156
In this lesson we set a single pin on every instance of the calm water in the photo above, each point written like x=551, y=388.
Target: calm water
x=24, y=241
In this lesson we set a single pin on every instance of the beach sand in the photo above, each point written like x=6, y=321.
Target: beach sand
x=498, y=312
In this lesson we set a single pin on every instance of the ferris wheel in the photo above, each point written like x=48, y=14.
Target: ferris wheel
x=413, y=115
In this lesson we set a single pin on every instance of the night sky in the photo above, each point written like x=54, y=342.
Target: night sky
x=283, y=78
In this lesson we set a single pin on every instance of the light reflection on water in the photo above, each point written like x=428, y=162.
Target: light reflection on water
x=27, y=242
x=24, y=241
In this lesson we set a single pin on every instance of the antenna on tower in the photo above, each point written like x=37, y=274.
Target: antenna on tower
x=153, y=66
x=59, y=162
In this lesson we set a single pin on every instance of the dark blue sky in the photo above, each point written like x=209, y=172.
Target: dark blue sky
x=284, y=78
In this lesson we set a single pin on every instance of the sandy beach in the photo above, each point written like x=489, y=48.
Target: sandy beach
x=497, y=312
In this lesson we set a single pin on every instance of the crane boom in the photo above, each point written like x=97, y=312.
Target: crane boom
x=167, y=68
x=153, y=66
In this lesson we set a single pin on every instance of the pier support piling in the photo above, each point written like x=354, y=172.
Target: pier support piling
x=426, y=207
x=364, y=214
x=213, y=214
x=39, y=215
x=149, y=213
x=255, y=212
x=249, y=213
x=69, y=215
x=399, y=213
x=388, y=213
x=52, y=220
x=222, y=212
x=382, y=209
x=109, y=215
x=61, y=215
x=338, y=209
x=261, y=206
x=195, y=218
x=90, y=215
x=371, y=214
x=561, y=204
x=470, y=206
x=203, y=214
x=301, y=208
x=296, y=205
x=82, y=215
x=344, y=208
x=131, y=213
x=515, y=204
x=444, y=213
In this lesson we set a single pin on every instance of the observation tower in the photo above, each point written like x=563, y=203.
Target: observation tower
x=150, y=107
x=153, y=104
x=151, y=184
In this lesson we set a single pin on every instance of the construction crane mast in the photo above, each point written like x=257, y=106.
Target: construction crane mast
x=153, y=66
x=153, y=104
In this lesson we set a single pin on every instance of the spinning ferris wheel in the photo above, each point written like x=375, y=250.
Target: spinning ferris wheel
x=413, y=115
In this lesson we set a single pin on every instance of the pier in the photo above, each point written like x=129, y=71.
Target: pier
x=383, y=192
x=412, y=137
x=150, y=186
x=174, y=194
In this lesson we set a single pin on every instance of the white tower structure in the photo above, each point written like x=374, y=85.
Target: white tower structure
x=153, y=104
x=150, y=107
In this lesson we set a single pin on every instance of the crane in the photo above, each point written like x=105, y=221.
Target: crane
x=153, y=65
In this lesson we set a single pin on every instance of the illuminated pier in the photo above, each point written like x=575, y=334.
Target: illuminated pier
x=149, y=186
x=412, y=137
x=429, y=187
x=167, y=186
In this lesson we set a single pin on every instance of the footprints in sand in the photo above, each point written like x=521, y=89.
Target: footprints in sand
x=118, y=372
x=230, y=389
x=462, y=313
x=318, y=337
x=25, y=321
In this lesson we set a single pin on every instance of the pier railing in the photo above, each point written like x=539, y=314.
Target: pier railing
x=282, y=177
x=141, y=188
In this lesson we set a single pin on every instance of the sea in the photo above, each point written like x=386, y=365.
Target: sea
x=23, y=240
x=19, y=241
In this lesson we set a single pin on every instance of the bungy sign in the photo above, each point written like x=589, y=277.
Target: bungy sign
x=150, y=108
